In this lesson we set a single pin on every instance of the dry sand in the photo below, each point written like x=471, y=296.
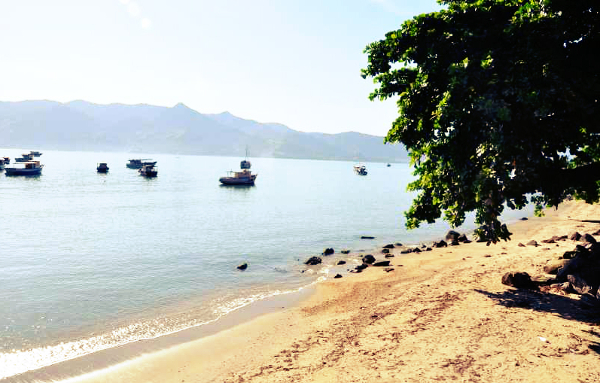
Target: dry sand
x=441, y=315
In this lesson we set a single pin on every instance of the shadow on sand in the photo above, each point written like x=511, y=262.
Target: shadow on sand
x=563, y=306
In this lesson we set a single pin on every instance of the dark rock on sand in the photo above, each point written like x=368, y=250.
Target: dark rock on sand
x=580, y=285
x=337, y=276
x=406, y=251
x=367, y=237
x=416, y=250
x=313, y=261
x=368, y=259
x=385, y=251
x=440, y=244
x=381, y=263
x=243, y=266
x=328, y=251
x=341, y=262
x=361, y=267
x=533, y=242
x=524, y=219
x=588, y=238
x=428, y=249
x=388, y=269
x=517, y=279
x=452, y=235
x=388, y=246
x=398, y=244
x=520, y=245
x=575, y=236
x=553, y=266
x=389, y=255
x=345, y=251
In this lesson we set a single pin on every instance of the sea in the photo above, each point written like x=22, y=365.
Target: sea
x=91, y=262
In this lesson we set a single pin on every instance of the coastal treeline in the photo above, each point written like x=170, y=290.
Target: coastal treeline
x=498, y=106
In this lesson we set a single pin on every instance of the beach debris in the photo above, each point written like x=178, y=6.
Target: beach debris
x=553, y=266
x=542, y=339
x=337, y=276
x=520, y=245
x=517, y=279
x=368, y=259
x=381, y=263
x=389, y=255
x=328, y=251
x=367, y=237
x=345, y=251
x=406, y=251
x=385, y=251
x=243, y=266
x=533, y=242
x=389, y=246
x=341, y=262
x=575, y=236
x=313, y=261
x=388, y=269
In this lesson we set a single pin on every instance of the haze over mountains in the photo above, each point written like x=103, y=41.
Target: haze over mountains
x=84, y=126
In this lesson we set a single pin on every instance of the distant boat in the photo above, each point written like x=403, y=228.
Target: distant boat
x=24, y=157
x=148, y=171
x=35, y=153
x=245, y=164
x=244, y=177
x=31, y=168
x=388, y=165
x=6, y=160
x=102, y=167
x=138, y=163
x=360, y=169
x=2, y=163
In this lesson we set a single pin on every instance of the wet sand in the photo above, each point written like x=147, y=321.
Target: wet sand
x=441, y=315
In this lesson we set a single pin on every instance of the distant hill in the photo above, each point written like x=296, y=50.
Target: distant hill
x=81, y=125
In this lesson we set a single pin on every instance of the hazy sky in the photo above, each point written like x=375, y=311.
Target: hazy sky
x=296, y=62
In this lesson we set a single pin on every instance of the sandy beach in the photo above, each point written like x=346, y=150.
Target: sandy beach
x=441, y=315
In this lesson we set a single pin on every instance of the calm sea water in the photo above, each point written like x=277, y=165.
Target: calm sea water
x=90, y=261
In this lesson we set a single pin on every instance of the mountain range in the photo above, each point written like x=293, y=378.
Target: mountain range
x=85, y=126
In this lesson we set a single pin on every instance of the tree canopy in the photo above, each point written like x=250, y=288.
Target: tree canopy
x=498, y=106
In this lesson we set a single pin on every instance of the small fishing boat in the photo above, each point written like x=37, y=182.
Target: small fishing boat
x=244, y=177
x=102, y=167
x=6, y=160
x=25, y=157
x=30, y=168
x=138, y=163
x=388, y=165
x=360, y=169
x=35, y=153
x=148, y=171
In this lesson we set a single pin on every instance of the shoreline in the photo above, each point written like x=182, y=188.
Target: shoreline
x=233, y=332
x=439, y=315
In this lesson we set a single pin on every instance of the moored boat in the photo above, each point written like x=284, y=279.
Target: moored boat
x=244, y=177
x=148, y=171
x=138, y=163
x=30, y=168
x=6, y=160
x=35, y=153
x=102, y=167
x=360, y=169
x=25, y=157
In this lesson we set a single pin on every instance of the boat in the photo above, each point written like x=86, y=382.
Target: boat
x=388, y=165
x=102, y=167
x=138, y=163
x=35, y=153
x=30, y=168
x=244, y=177
x=360, y=169
x=25, y=157
x=245, y=164
x=6, y=160
x=148, y=171
x=2, y=163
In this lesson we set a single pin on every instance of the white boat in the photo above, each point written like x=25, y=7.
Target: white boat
x=30, y=168
x=360, y=169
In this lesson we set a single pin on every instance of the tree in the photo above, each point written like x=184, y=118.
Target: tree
x=498, y=106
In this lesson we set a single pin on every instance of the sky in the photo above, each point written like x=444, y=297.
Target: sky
x=295, y=62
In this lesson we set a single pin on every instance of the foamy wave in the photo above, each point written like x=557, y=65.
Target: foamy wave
x=18, y=361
